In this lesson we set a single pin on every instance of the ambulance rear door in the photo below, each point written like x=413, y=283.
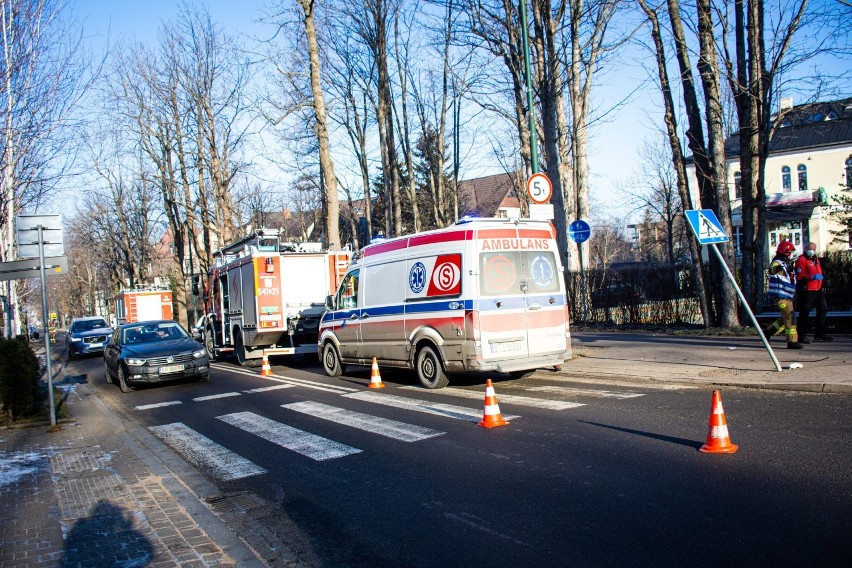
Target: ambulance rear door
x=521, y=303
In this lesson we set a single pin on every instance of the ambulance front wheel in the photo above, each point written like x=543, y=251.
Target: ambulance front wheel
x=429, y=369
x=331, y=361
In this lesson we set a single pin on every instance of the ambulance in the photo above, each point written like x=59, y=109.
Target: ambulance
x=480, y=295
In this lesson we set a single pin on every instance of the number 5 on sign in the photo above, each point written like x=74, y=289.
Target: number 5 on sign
x=539, y=188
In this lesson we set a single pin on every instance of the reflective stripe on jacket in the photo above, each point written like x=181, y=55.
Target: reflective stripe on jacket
x=782, y=283
x=809, y=273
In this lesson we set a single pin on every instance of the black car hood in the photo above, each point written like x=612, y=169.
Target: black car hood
x=161, y=348
x=92, y=332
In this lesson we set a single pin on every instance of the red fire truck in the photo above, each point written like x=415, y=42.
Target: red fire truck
x=142, y=304
x=265, y=297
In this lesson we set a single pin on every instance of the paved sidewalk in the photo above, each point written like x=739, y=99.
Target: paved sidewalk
x=712, y=361
x=90, y=495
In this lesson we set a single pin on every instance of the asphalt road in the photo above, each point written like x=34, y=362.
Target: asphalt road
x=616, y=481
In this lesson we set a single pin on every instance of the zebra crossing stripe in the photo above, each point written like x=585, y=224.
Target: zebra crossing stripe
x=215, y=396
x=427, y=406
x=508, y=399
x=203, y=452
x=267, y=389
x=373, y=424
x=305, y=443
x=586, y=392
x=285, y=380
x=158, y=405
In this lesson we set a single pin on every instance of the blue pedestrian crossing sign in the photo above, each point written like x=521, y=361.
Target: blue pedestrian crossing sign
x=706, y=226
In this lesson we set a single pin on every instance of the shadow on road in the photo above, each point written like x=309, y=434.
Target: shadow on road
x=672, y=439
x=106, y=537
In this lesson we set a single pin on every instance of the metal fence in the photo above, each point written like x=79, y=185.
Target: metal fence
x=662, y=294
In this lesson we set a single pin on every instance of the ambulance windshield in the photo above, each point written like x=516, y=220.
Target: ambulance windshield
x=504, y=273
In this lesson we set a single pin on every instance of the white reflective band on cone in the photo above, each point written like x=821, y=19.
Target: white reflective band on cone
x=719, y=431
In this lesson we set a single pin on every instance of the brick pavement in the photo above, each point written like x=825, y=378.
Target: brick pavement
x=82, y=497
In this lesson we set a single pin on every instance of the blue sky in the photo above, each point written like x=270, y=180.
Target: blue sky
x=613, y=144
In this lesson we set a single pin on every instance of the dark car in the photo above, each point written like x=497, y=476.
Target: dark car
x=153, y=351
x=617, y=295
x=87, y=335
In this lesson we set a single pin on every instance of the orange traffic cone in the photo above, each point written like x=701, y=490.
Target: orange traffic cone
x=718, y=439
x=265, y=369
x=491, y=417
x=375, y=377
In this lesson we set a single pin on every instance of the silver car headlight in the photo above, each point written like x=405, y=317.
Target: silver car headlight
x=199, y=354
x=135, y=362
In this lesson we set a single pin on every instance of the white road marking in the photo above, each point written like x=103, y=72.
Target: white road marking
x=215, y=396
x=205, y=453
x=586, y=392
x=305, y=443
x=267, y=389
x=158, y=405
x=285, y=380
x=373, y=424
x=427, y=406
x=508, y=398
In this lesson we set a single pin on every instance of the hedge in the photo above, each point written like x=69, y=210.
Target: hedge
x=19, y=377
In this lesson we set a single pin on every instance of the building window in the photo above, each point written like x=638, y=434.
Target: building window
x=786, y=180
x=738, y=239
x=849, y=173
x=803, y=177
x=738, y=185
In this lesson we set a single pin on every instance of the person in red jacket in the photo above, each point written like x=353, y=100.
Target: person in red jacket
x=809, y=281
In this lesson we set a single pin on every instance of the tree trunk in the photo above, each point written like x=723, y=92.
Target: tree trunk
x=678, y=159
x=709, y=69
x=332, y=218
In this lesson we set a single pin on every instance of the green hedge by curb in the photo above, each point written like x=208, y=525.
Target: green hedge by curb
x=19, y=376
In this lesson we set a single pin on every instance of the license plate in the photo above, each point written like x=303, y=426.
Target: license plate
x=171, y=369
x=506, y=346
x=95, y=344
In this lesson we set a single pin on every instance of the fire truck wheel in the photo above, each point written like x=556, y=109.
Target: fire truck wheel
x=429, y=369
x=209, y=345
x=240, y=351
x=122, y=382
x=331, y=361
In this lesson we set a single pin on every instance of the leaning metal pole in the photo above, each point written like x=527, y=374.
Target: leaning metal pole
x=746, y=306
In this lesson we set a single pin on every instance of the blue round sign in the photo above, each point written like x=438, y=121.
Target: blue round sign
x=579, y=231
x=417, y=277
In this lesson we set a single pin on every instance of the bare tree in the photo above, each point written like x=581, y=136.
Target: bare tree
x=678, y=161
x=45, y=72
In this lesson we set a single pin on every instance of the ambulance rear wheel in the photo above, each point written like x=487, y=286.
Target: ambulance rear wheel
x=429, y=369
x=331, y=361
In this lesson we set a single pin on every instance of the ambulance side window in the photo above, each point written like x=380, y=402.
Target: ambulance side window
x=347, y=295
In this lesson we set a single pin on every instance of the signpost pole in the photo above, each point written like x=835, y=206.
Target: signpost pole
x=746, y=306
x=44, y=320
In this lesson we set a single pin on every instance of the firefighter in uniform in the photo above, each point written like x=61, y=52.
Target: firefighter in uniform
x=782, y=289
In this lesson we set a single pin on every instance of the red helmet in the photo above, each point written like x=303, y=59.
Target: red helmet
x=786, y=248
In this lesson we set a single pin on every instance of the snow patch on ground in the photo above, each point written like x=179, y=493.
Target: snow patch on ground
x=16, y=465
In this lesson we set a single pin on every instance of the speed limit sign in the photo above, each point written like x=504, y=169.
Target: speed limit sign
x=539, y=188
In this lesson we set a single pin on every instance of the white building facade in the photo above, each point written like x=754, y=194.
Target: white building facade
x=809, y=164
